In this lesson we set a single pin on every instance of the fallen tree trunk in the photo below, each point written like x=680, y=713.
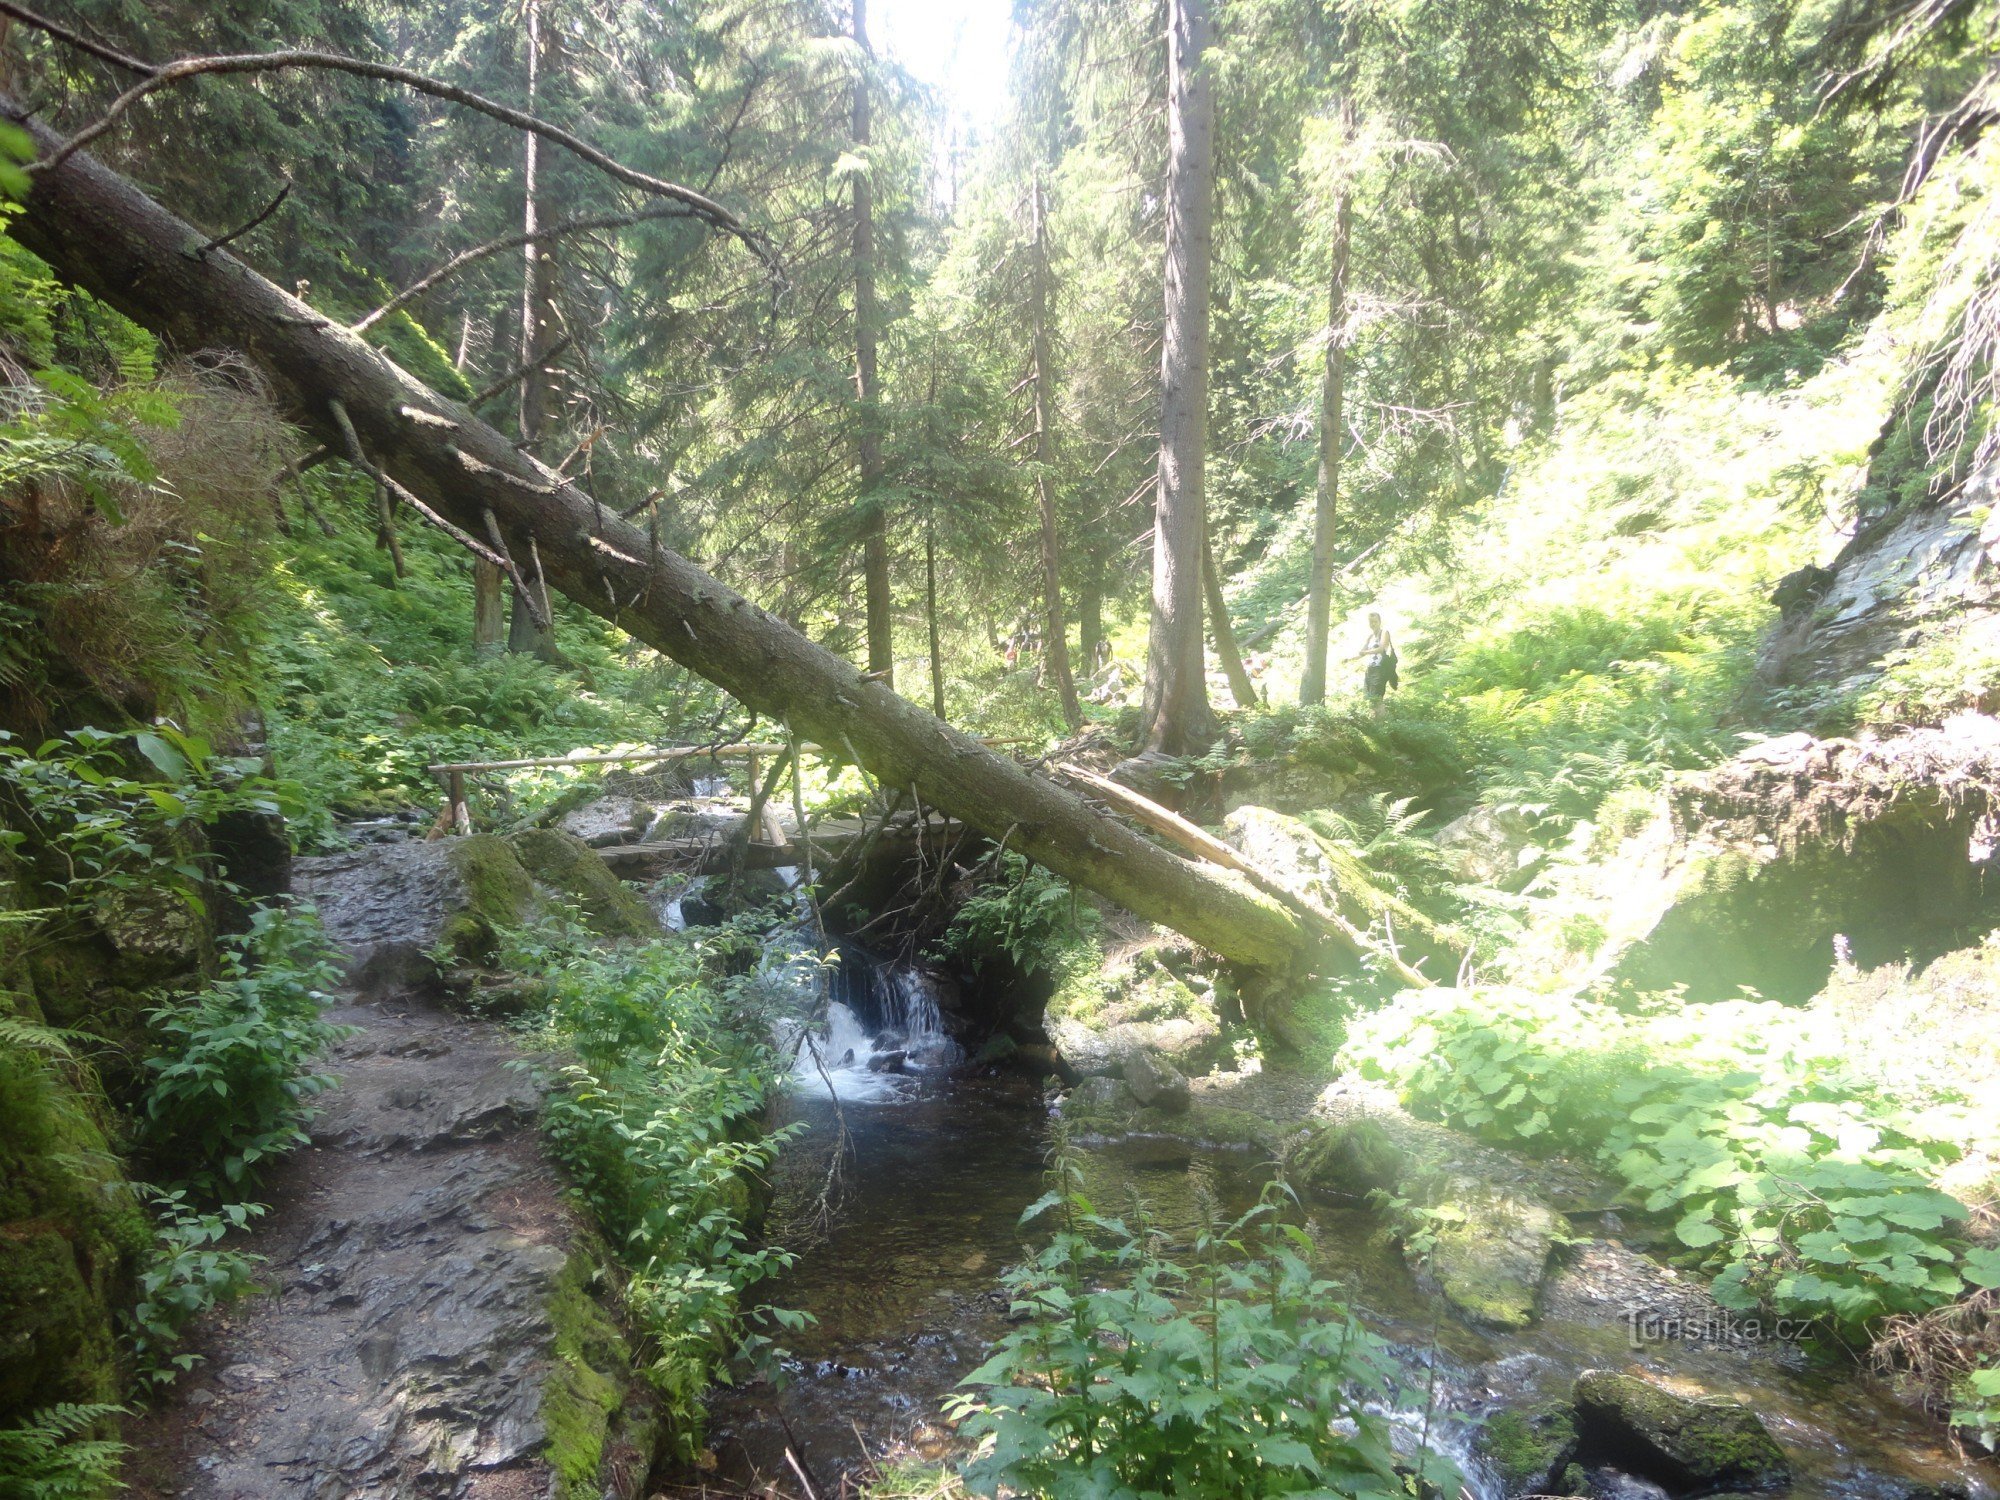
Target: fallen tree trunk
x=1204, y=845
x=100, y=232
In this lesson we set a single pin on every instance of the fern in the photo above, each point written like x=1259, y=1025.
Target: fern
x=27, y=1036
x=1381, y=832
x=52, y=1456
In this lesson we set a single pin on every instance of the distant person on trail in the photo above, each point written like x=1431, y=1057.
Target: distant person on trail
x=1379, y=652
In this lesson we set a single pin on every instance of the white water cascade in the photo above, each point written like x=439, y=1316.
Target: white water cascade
x=883, y=1031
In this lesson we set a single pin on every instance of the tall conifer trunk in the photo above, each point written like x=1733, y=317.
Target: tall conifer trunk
x=1332, y=421
x=540, y=321
x=1055, y=632
x=1177, y=717
x=867, y=391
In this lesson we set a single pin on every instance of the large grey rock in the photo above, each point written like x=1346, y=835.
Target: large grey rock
x=1137, y=1005
x=383, y=906
x=1922, y=564
x=1492, y=846
x=608, y=820
x=1884, y=842
x=1154, y=1083
x=1289, y=786
x=1489, y=1251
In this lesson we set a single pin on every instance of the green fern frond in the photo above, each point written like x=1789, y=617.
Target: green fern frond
x=50, y=1455
x=28, y=1036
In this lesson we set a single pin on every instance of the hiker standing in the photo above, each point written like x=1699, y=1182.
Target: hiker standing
x=1379, y=654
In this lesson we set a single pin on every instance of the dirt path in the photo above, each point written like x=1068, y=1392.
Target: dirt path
x=415, y=1253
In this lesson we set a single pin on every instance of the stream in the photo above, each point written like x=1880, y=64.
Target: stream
x=901, y=1242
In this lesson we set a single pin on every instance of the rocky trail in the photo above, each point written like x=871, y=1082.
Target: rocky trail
x=427, y=1325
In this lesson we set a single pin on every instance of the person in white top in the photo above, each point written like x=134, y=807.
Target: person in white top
x=1379, y=653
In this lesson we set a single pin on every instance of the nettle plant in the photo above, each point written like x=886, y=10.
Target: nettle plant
x=1234, y=1372
x=1801, y=1191
x=232, y=1082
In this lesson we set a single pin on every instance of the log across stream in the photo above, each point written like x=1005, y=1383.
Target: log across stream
x=902, y=1273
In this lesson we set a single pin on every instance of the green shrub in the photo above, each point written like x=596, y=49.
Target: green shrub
x=1024, y=913
x=101, y=831
x=656, y=1122
x=189, y=1273
x=53, y=1455
x=1798, y=1187
x=1976, y=1411
x=231, y=1085
x=1233, y=1373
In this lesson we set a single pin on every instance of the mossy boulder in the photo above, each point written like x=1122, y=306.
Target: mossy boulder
x=1691, y=1446
x=1099, y=1017
x=154, y=934
x=1348, y=1159
x=566, y=865
x=1100, y=1104
x=1795, y=842
x=1488, y=1250
x=495, y=895
x=602, y=1422
x=1529, y=1451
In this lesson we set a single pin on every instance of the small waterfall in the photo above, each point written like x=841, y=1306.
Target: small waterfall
x=883, y=1030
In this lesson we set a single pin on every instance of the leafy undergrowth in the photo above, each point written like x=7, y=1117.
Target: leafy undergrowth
x=372, y=679
x=656, y=1121
x=1233, y=1371
x=1804, y=1190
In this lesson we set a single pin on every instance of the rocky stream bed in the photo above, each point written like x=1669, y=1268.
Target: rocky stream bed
x=437, y=1319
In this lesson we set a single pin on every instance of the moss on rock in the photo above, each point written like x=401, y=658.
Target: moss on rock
x=1100, y=1015
x=1687, y=1445
x=601, y=1425
x=565, y=864
x=1488, y=1251
x=1529, y=1451
x=498, y=894
x=71, y=1232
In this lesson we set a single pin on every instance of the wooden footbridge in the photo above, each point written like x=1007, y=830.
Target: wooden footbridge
x=771, y=844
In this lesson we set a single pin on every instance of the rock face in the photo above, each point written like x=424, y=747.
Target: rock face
x=1885, y=842
x=388, y=906
x=430, y=1326
x=1924, y=560
x=1692, y=1447
x=1290, y=786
